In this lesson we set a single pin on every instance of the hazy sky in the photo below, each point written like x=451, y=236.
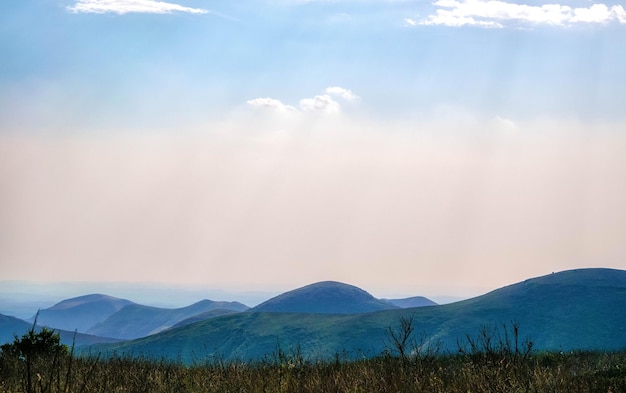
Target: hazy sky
x=407, y=147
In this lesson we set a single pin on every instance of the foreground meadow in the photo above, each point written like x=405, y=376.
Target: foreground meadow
x=38, y=363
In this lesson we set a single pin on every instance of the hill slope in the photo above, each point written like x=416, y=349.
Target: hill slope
x=203, y=317
x=80, y=313
x=578, y=309
x=136, y=320
x=327, y=297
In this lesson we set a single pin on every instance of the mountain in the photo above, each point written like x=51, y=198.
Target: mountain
x=136, y=320
x=410, y=302
x=11, y=327
x=327, y=297
x=578, y=309
x=80, y=313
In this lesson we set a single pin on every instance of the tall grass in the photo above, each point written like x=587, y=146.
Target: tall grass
x=545, y=372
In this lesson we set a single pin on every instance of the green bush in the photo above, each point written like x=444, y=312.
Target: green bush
x=31, y=359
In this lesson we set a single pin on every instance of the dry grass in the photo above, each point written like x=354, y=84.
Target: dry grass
x=547, y=372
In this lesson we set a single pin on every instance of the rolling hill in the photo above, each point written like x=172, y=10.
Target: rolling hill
x=577, y=309
x=80, y=313
x=136, y=320
x=327, y=297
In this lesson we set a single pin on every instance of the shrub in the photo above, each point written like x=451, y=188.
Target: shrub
x=29, y=358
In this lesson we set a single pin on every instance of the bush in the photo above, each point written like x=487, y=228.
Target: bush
x=29, y=359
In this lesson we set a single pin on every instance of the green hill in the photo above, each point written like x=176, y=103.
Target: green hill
x=578, y=309
x=327, y=297
x=136, y=320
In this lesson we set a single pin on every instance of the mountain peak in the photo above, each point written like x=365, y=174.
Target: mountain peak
x=412, y=302
x=80, y=313
x=90, y=299
x=324, y=297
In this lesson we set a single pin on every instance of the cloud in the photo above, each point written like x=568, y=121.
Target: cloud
x=131, y=6
x=271, y=104
x=323, y=103
x=598, y=13
x=495, y=13
x=346, y=94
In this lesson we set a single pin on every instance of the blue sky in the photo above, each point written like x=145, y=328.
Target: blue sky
x=87, y=63
x=409, y=147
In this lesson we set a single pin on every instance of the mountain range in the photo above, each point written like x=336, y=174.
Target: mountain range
x=107, y=316
x=136, y=320
x=80, y=313
x=576, y=309
x=571, y=310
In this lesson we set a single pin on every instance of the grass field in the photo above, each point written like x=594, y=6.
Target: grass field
x=485, y=363
x=547, y=372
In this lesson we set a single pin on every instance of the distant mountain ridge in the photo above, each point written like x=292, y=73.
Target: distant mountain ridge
x=137, y=320
x=80, y=313
x=326, y=297
x=410, y=302
x=577, y=309
x=107, y=316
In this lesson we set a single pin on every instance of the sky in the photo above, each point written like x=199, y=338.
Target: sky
x=407, y=147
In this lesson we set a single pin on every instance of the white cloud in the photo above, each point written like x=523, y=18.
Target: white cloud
x=271, y=104
x=323, y=103
x=619, y=13
x=495, y=13
x=346, y=94
x=131, y=6
x=597, y=13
